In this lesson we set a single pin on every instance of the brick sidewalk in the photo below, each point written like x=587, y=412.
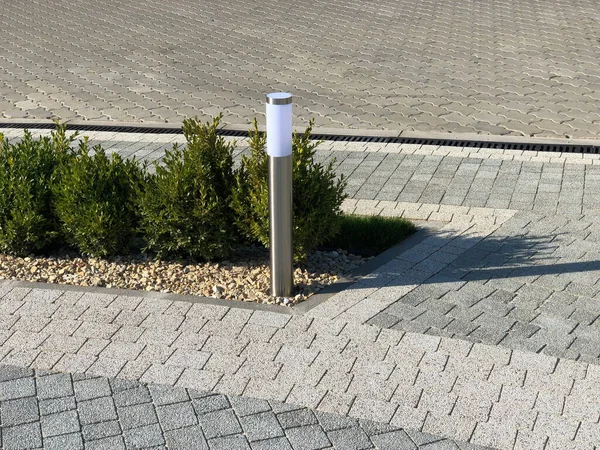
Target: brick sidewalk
x=60, y=411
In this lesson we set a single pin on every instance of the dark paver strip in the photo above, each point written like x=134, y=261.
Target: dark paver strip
x=195, y=421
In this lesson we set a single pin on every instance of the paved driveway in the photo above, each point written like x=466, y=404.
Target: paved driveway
x=500, y=67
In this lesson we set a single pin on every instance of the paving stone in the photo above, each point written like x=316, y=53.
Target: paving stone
x=188, y=438
x=70, y=441
x=219, y=423
x=188, y=358
x=101, y=430
x=20, y=437
x=57, y=405
x=296, y=418
x=97, y=410
x=162, y=374
x=261, y=426
x=14, y=373
x=163, y=395
x=177, y=415
x=306, y=396
x=119, y=385
x=279, y=407
x=143, y=437
x=370, y=408
x=494, y=435
x=16, y=388
x=372, y=428
x=212, y=403
x=114, y=442
x=60, y=423
x=91, y=388
x=352, y=438
x=19, y=411
x=134, y=396
x=307, y=437
x=237, y=441
x=396, y=440
x=280, y=443
x=137, y=415
x=122, y=350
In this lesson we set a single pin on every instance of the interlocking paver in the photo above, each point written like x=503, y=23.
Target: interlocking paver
x=87, y=389
x=101, y=430
x=261, y=426
x=176, y=416
x=22, y=437
x=144, y=437
x=59, y=423
x=514, y=278
x=386, y=91
x=19, y=411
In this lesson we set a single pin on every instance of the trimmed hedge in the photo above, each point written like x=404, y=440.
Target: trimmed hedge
x=194, y=205
x=94, y=199
x=185, y=208
x=317, y=194
x=28, y=221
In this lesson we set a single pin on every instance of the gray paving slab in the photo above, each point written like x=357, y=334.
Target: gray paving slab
x=195, y=421
x=457, y=66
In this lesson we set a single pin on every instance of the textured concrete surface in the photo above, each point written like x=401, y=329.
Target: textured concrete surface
x=64, y=411
x=522, y=67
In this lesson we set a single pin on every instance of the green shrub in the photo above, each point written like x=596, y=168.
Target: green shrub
x=317, y=194
x=185, y=209
x=27, y=171
x=94, y=200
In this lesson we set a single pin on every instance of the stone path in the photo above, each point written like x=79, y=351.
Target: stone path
x=63, y=411
x=487, y=395
x=486, y=333
x=529, y=282
x=524, y=68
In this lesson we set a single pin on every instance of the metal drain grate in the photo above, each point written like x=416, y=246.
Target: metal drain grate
x=563, y=148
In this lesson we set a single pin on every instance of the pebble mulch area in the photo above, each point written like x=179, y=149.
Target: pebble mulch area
x=245, y=277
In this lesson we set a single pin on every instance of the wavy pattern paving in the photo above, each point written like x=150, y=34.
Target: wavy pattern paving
x=497, y=67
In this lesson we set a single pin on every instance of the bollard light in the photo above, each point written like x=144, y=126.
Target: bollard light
x=279, y=151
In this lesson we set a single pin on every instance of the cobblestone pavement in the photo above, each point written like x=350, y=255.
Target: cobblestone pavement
x=523, y=67
x=63, y=411
x=487, y=395
x=529, y=282
x=486, y=332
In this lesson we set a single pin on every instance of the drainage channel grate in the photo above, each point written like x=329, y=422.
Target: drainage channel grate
x=563, y=148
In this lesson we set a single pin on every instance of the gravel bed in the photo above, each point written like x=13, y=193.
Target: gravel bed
x=245, y=277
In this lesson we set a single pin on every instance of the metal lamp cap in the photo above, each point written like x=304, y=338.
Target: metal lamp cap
x=279, y=98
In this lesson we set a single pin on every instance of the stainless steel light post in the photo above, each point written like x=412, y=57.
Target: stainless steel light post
x=279, y=150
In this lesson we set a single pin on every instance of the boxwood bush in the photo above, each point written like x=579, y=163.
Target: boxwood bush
x=94, y=200
x=185, y=209
x=317, y=194
x=27, y=171
x=194, y=205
